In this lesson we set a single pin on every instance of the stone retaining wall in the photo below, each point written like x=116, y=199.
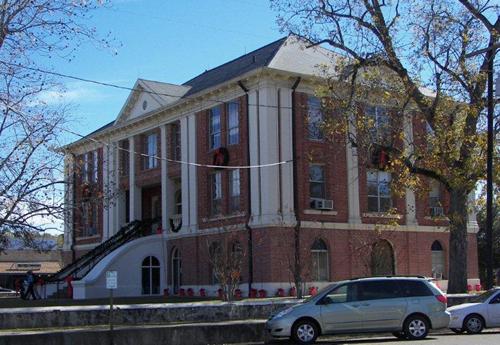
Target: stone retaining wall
x=150, y=314
x=189, y=334
x=54, y=317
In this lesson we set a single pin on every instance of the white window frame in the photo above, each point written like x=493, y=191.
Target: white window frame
x=215, y=133
x=216, y=194
x=234, y=190
x=323, y=182
x=151, y=161
x=95, y=166
x=315, y=118
x=86, y=167
x=380, y=132
x=319, y=256
x=233, y=129
x=380, y=188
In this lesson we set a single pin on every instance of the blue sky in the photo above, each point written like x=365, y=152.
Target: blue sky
x=164, y=40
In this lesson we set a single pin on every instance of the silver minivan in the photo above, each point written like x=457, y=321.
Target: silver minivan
x=406, y=306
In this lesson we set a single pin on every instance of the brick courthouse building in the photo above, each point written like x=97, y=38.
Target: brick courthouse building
x=258, y=110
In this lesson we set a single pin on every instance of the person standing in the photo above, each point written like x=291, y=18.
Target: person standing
x=30, y=282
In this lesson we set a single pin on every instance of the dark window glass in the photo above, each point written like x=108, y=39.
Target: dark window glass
x=414, y=288
x=371, y=290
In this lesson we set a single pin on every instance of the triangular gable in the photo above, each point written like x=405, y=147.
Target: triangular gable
x=148, y=96
x=295, y=56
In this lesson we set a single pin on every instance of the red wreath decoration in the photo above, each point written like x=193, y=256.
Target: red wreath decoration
x=221, y=156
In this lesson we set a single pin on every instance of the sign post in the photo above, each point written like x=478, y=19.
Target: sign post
x=111, y=284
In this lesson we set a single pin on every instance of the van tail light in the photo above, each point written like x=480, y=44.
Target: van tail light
x=442, y=298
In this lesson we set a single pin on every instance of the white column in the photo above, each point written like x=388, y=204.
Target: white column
x=68, y=201
x=119, y=200
x=253, y=142
x=134, y=191
x=165, y=214
x=352, y=180
x=269, y=148
x=113, y=188
x=106, y=204
x=411, y=211
x=193, y=182
x=472, y=225
x=185, y=172
x=286, y=145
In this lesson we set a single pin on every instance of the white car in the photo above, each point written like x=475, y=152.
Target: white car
x=473, y=317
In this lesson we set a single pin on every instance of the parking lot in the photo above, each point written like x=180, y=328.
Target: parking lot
x=487, y=337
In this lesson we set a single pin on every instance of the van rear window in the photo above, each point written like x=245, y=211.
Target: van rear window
x=414, y=288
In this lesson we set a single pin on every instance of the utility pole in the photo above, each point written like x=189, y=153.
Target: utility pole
x=490, y=55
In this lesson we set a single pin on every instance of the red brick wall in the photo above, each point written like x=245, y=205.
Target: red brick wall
x=348, y=250
x=238, y=156
x=331, y=153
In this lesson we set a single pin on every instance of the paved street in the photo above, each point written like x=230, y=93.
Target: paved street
x=488, y=337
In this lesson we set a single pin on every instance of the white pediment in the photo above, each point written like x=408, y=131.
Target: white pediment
x=148, y=96
x=295, y=56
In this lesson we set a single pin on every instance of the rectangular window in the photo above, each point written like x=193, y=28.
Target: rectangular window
x=233, y=113
x=216, y=195
x=316, y=182
x=86, y=167
x=95, y=166
x=380, y=132
x=379, y=191
x=151, y=161
x=176, y=142
x=314, y=118
x=234, y=190
x=215, y=128
x=89, y=219
x=435, y=207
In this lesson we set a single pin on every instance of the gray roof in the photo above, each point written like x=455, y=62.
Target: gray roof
x=258, y=58
x=239, y=66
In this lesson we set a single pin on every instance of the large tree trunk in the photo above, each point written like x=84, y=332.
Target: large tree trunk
x=457, y=275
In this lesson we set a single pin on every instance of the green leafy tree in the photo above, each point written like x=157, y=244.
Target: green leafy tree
x=411, y=56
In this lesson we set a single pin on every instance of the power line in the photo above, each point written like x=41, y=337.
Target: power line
x=141, y=154
x=96, y=82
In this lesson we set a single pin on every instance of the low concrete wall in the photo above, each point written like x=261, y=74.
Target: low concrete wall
x=192, y=334
x=53, y=317
x=148, y=314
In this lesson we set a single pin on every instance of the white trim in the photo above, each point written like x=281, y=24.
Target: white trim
x=320, y=212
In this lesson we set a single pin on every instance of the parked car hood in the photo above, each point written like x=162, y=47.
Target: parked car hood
x=464, y=306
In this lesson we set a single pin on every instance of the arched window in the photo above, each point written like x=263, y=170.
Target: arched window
x=150, y=276
x=176, y=270
x=382, y=260
x=437, y=258
x=319, y=256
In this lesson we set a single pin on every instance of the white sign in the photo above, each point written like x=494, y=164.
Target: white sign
x=111, y=280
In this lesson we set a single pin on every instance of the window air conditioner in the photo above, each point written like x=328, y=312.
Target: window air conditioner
x=322, y=204
x=436, y=211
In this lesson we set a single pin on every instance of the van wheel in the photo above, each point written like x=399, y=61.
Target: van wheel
x=473, y=324
x=399, y=335
x=416, y=327
x=305, y=332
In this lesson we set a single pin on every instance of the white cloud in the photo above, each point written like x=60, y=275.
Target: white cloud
x=73, y=93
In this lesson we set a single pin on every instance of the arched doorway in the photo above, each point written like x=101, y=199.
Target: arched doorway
x=382, y=260
x=176, y=270
x=150, y=276
x=437, y=259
